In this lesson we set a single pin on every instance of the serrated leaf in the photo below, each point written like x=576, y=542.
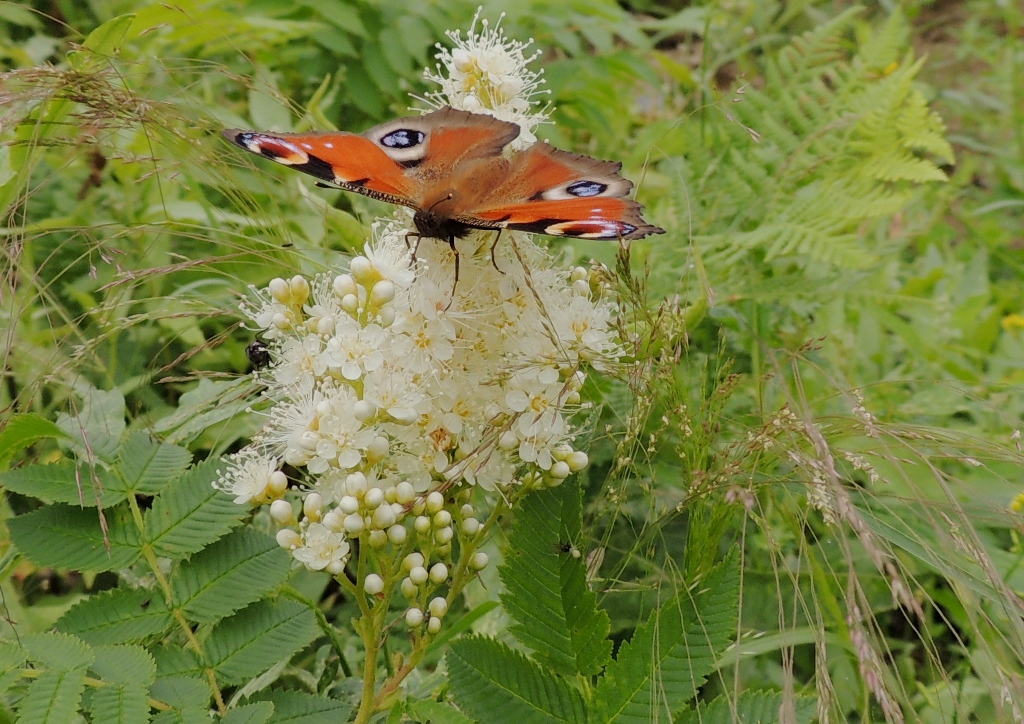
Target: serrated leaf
x=259, y=636
x=22, y=431
x=555, y=612
x=148, y=466
x=173, y=661
x=12, y=659
x=669, y=657
x=228, y=575
x=751, y=707
x=437, y=712
x=64, y=482
x=61, y=652
x=298, y=707
x=257, y=713
x=191, y=514
x=124, y=665
x=121, y=615
x=67, y=537
x=98, y=425
x=181, y=691
x=209, y=403
x=120, y=704
x=52, y=698
x=497, y=684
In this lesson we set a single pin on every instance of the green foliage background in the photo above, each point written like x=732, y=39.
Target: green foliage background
x=799, y=502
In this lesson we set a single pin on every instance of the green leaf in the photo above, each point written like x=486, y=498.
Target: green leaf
x=52, y=698
x=64, y=482
x=751, y=707
x=191, y=514
x=22, y=431
x=228, y=575
x=257, y=713
x=98, y=426
x=117, y=616
x=188, y=696
x=127, y=671
x=298, y=707
x=547, y=595
x=669, y=657
x=57, y=651
x=106, y=40
x=437, y=712
x=12, y=659
x=497, y=684
x=67, y=537
x=256, y=638
x=148, y=466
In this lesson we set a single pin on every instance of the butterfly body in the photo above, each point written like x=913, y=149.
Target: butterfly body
x=451, y=168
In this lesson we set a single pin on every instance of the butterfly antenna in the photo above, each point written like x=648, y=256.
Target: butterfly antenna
x=455, y=284
x=494, y=246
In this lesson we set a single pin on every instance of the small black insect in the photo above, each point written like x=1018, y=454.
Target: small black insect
x=565, y=547
x=258, y=354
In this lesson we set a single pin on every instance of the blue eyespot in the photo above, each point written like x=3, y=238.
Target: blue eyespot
x=402, y=138
x=586, y=188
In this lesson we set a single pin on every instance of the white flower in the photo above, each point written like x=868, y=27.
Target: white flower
x=247, y=475
x=356, y=350
x=322, y=547
x=488, y=73
x=390, y=254
x=394, y=391
x=340, y=437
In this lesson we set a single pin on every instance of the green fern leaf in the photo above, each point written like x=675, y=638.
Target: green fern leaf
x=298, y=707
x=257, y=713
x=555, y=613
x=228, y=575
x=12, y=659
x=118, y=616
x=64, y=482
x=149, y=466
x=52, y=698
x=187, y=696
x=258, y=637
x=57, y=651
x=191, y=514
x=127, y=672
x=670, y=657
x=750, y=707
x=64, y=536
x=494, y=683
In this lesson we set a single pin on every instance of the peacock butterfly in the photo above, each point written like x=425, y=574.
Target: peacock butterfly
x=448, y=165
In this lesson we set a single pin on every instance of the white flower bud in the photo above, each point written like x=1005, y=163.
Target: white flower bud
x=378, y=539
x=470, y=526
x=438, y=607
x=363, y=410
x=578, y=273
x=462, y=61
x=508, y=440
x=323, y=408
x=344, y=284
x=472, y=104
x=335, y=568
x=386, y=317
x=418, y=575
x=438, y=573
x=397, y=534
x=362, y=270
x=348, y=504
x=308, y=440
x=405, y=493
x=412, y=561
x=378, y=449
x=442, y=518
x=313, y=506
x=573, y=398
x=350, y=303
x=383, y=517
x=435, y=501
x=373, y=498
x=577, y=460
x=281, y=512
x=277, y=484
x=466, y=511
x=580, y=288
x=444, y=551
x=334, y=520
x=560, y=470
x=299, y=289
x=279, y=290
x=382, y=293
x=421, y=525
x=355, y=484
x=443, y=535
x=414, y=617
x=433, y=625
x=479, y=561
x=373, y=584
x=280, y=321
x=325, y=326
x=409, y=589
x=354, y=524
x=419, y=507
x=289, y=539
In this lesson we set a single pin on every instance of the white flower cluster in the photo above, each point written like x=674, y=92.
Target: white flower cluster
x=487, y=73
x=394, y=388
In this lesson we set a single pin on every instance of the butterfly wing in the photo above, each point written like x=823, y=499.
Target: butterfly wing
x=400, y=161
x=547, y=191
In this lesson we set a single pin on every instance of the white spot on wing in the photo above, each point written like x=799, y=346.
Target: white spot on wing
x=328, y=145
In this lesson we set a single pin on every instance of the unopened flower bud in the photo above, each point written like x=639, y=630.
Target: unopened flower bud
x=442, y=518
x=433, y=625
x=435, y=501
x=438, y=573
x=470, y=526
x=560, y=470
x=412, y=560
x=334, y=520
x=466, y=510
x=383, y=517
x=479, y=561
x=363, y=410
x=438, y=607
x=281, y=512
x=378, y=449
x=355, y=484
x=443, y=535
x=409, y=589
x=397, y=534
x=289, y=539
x=348, y=504
x=299, y=289
x=386, y=317
x=361, y=270
x=414, y=617
x=354, y=524
x=577, y=461
x=577, y=274
x=382, y=293
x=344, y=284
x=378, y=539
x=418, y=575
x=313, y=506
x=508, y=440
x=350, y=303
x=373, y=498
x=405, y=493
x=335, y=568
x=373, y=584
x=279, y=290
x=277, y=484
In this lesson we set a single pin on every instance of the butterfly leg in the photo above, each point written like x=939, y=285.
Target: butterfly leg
x=455, y=284
x=494, y=262
x=416, y=248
